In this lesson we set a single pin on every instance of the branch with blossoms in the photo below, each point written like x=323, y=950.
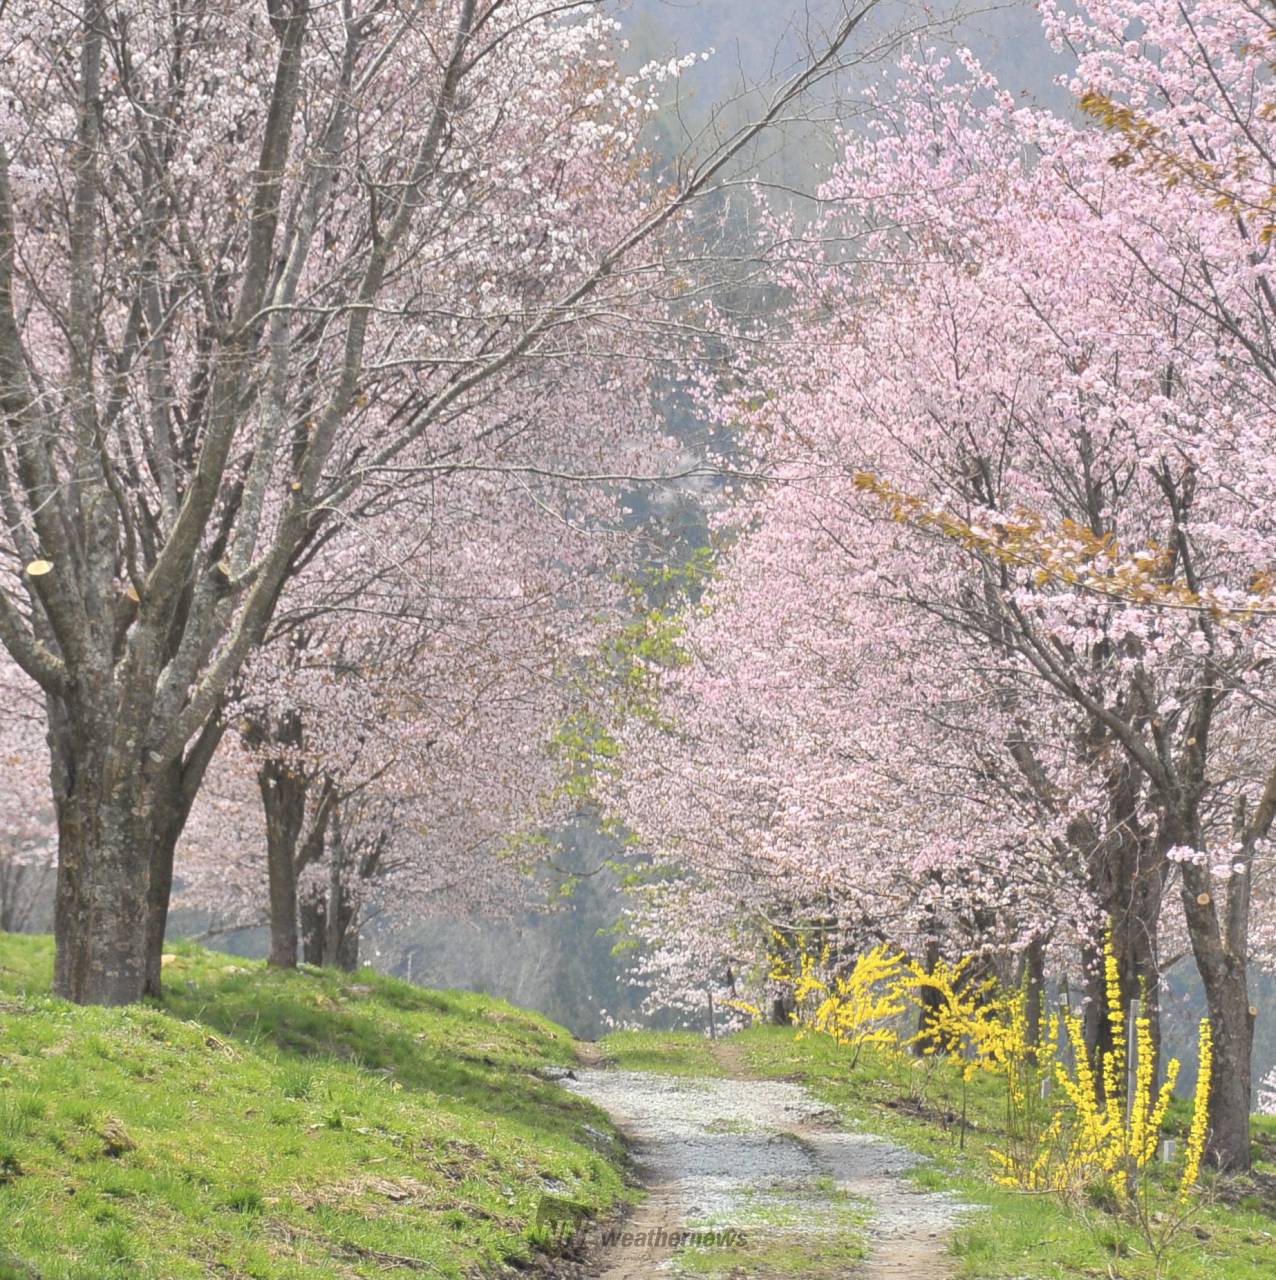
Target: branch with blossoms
x=1070, y=555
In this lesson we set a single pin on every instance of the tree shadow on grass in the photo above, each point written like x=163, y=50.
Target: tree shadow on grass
x=466, y=1049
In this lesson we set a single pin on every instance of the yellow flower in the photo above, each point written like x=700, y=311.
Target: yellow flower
x=853, y=1008
x=1200, y=1115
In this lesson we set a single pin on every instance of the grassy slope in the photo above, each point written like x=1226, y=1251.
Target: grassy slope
x=1009, y=1234
x=279, y=1126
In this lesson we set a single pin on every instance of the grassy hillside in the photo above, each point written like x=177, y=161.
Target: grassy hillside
x=280, y=1126
x=1007, y=1234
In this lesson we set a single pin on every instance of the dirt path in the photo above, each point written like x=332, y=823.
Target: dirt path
x=771, y=1187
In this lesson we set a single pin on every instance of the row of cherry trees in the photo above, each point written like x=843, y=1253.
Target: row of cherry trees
x=990, y=656
x=325, y=332
x=297, y=255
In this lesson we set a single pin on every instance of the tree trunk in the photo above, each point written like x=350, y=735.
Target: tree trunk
x=1034, y=990
x=100, y=907
x=1230, y=1097
x=1139, y=980
x=283, y=800
x=177, y=787
x=1225, y=977
x=347, y=955
x=928, y=1002
x=176, y=790
x=105, y=837
x=314, y=928
x=119, y=821
x=1127, y=876
x=341, y=946
x=782, y=1011
x=114, y=884
x=159, y=892
x=328, y=913
x=283, y=904
x=290, y=799
x=336, y=892
x=334, y=946
x=1134, y=939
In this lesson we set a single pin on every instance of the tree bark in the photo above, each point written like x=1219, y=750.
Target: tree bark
x=330, y=917
x=1224, y=974
x=101, y=908
x=1126, y=871
x=159, y=892
x=782, y=1010
x=283, y=800
x=289, y=801
x=1230, y=1095
x=314, y=928
x=283, y=903
x=1034, y=989
x=333, y=923
x=116, y=849
x=334, y=945
x=347, y=956
x=177, y=788
x=928, y=1001
x=1139, y=979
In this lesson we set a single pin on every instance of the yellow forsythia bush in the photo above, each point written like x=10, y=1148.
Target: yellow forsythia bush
x=1067, y=1127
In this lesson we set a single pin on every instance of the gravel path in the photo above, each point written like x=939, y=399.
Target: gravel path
x=766, y=1159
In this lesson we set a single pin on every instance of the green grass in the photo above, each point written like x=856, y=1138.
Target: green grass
x=920, y=1103
x=278, y=1126
x=673, y=1053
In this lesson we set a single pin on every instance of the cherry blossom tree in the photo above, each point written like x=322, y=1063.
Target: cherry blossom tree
x=1024, y=400
x=397, y=721
x=385, y=861
x=400, y=713
x=254, y=259
x=804, y=777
